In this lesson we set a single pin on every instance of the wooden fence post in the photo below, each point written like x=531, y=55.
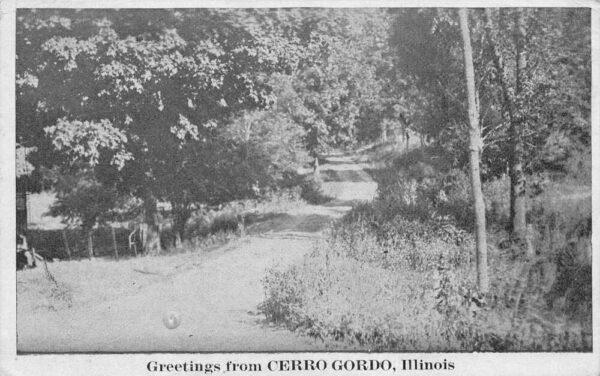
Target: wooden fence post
x=66, y=240
x=114, y=238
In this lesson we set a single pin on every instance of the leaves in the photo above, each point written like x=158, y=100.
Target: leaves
x=137, y=94
x=554, y=88
x=85, y=140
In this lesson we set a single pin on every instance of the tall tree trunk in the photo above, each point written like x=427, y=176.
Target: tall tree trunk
x=517, y=176
x=474, y=156
x=384, y=131
x=316, y=169
x=516, y=123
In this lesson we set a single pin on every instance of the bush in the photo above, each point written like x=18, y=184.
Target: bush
x=207, y=224
x=284, y=301
x=225, y=223
x=311, y=191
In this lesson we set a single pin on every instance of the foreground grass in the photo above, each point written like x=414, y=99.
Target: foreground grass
x=382, y=304
x=78, y=283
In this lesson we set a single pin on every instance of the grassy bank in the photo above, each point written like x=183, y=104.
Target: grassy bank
x=398, y=274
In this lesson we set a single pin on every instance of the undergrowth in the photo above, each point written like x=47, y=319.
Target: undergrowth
x=397, y=274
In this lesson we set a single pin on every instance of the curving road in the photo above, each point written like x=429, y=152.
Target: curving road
x=217, y=300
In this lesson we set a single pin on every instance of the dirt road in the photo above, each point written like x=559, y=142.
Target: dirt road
x=217, y=300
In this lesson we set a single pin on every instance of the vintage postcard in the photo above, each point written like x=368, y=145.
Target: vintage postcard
x=320, y=188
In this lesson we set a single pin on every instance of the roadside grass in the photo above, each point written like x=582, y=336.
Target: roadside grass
x=398, y=274
x=375, y=308
x=420, y=296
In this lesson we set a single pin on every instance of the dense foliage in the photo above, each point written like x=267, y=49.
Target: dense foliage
x=142, y=96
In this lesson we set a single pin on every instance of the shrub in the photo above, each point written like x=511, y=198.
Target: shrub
x=203, y=224
x=283, y=302
x=311, y=191
x=226, y=222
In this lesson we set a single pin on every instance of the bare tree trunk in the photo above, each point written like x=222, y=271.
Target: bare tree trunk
x=474, y=156
x=316, y=169
x=384, y=131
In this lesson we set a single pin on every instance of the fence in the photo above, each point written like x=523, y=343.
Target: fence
x=53, y=243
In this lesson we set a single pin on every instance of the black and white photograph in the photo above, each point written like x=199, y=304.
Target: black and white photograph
x=302, y=180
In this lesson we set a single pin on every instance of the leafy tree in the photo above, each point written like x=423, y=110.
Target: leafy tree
x=429, y=64
x=532, y=89
x=555, y=93
x=82, y=199
x=161, y=90
x=335, y=78
x=544, y=92
x=272, y=135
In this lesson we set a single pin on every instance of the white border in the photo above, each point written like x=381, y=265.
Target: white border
x=546, y=364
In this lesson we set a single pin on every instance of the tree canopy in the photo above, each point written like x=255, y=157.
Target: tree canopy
x=198, y=105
